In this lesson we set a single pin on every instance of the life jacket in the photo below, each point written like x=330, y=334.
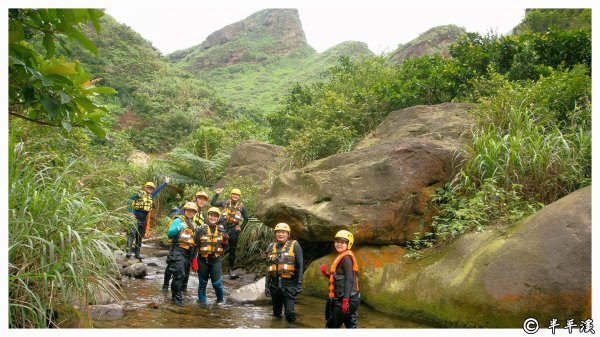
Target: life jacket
x=144, y=203
x=211, y=243
x=282, y=262
x=185, y=238
x=232, y=214
x=337, y=282
x=199, y=218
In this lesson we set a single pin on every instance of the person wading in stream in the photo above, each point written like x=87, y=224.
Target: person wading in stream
x=284, y=272
x=139, y=206
x=199, y=219
x=233, y=212
x=211, y=240
x=344, y=296
x=181, y=234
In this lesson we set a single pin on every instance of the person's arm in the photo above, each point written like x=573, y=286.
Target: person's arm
x=214, y=202
x=349, y=273
x=245, y=216
x=130, y=202
x=225, y=240
x=299, y=261
x=158, y=189
x=176, y=226
x=197, y=236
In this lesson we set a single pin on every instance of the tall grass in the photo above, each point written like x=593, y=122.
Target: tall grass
x=252, y=246
x=60, y=249
x=534, y=137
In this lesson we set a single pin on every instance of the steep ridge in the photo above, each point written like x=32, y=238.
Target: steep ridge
x=434, y=41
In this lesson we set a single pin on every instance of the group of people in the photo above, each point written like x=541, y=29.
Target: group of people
x=198, y=239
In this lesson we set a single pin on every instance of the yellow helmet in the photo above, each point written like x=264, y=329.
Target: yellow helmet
x=150, y=184
x=236, y=191
x=214, y=210
x=344, y=234
x=190, y=205
x=282, y=226
x=201, y=194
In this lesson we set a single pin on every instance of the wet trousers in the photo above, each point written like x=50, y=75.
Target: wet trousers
x=210, y=266
x=334, y=316
x=283, y=294
x=136, y=233
x=177, y=262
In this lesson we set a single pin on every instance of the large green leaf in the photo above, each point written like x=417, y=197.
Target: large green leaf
x=50, y=105
x=15, y=32
x=48, y=43
x=85, y=42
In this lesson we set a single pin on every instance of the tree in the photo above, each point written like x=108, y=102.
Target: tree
x=49, y=89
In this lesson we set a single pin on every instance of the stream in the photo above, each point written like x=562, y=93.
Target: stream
x=146, y=306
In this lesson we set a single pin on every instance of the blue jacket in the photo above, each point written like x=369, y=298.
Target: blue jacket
x=176, y=226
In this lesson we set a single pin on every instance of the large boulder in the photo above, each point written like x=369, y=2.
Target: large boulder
x=379, y=192
x=106, y=312
x=539, y=267
x=136, y=270
x=251, y=293
x=445, y=124
x=256, y=160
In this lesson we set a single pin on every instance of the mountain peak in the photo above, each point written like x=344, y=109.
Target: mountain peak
x=269, y=32
x=282, y=24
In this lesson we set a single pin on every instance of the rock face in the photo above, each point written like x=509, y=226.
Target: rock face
x=540, y=268
x=136, y=270
x=272, y=31
x=254, y=292
x=107, y=312
x=379, y=191
x=283, y=24
x=254, y=159
x=434, y=41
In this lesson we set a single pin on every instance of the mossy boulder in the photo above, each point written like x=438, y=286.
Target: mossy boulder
x=378, y=191
x=539, y=267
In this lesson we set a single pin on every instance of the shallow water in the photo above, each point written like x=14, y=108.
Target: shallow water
x=146, y=306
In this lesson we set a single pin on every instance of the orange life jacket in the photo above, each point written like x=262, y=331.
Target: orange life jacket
x=336, y=282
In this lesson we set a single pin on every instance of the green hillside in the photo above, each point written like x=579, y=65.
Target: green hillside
x=158, y=104
x=253, y=62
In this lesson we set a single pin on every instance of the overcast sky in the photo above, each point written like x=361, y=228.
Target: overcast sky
x=171, y=29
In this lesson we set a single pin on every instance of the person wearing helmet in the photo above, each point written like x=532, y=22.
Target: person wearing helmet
x=139, y=205
x=344, y=296
x=181, y=235
x=284, y=272
x=233, y=211
x=199, y=219
x=210, y=240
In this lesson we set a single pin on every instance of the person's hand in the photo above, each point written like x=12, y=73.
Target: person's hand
x=238, y=228
x=167, y=179
x=132, y=215
x=324, y=270
x=345, y=306
x=219, y=190
x=194, y=264
x=225, y=239
x=267, y=292
x=298, y=288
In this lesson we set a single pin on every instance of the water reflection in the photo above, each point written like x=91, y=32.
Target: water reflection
x=148, y=307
